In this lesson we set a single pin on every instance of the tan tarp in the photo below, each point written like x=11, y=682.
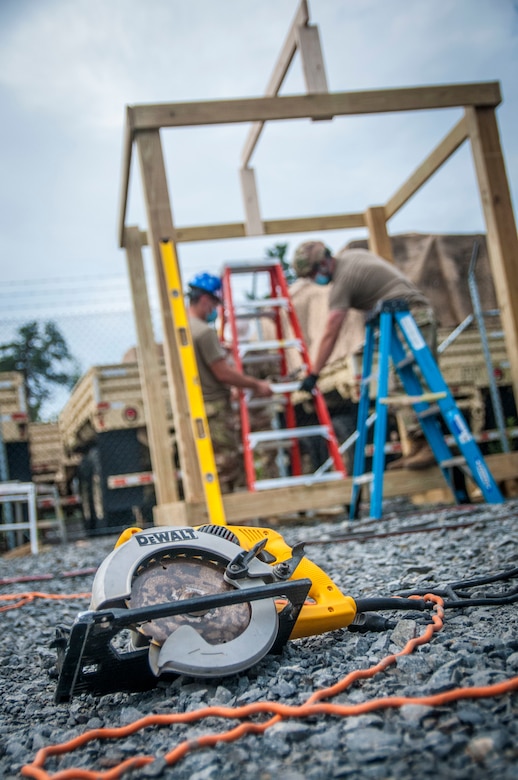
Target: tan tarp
x=439, y=265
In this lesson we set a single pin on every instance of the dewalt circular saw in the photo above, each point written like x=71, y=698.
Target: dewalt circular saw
x=207, y=601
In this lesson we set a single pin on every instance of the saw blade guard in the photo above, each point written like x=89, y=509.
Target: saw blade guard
x=173, y=564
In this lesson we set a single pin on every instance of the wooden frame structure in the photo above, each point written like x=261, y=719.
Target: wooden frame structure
x=143, y=125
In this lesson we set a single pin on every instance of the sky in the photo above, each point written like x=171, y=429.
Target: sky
x=68, y=69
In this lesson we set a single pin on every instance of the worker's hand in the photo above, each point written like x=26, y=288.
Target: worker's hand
x=262, y=389
x=308, y=384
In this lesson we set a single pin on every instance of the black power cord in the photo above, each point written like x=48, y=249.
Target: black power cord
x=455, y=596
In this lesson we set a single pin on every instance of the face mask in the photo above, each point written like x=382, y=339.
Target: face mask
x=322, y=279
x=212, y=316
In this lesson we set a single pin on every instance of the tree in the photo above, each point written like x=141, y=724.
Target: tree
x=278, y=251
x=39, y=352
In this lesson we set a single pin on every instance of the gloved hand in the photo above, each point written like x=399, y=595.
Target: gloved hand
x=309, y=383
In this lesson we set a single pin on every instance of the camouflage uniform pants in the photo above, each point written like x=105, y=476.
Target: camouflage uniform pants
x=224, y=432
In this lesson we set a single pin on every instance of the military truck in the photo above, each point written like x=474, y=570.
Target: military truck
x=104, y=437
x=14, y=435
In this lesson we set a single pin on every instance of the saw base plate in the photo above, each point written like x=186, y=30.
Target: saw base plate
x=89, y=662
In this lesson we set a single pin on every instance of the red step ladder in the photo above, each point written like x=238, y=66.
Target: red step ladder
x=284, y=436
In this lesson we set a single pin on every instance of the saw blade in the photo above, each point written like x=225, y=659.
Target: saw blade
x=179, y=578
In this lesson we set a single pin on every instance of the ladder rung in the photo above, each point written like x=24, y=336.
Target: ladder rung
x=248, y=266
x=409, y=400
x=458, y=460
x=260, y=303
x=407, y=361
x=257, y=346
x=363, y=479
x=303, y=479
x=368, y=379
x=284, y=434
x=275, y=404
x=253, y=359
x=285, y=387
x=430, y=412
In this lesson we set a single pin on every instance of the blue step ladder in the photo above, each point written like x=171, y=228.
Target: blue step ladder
x=393, y=327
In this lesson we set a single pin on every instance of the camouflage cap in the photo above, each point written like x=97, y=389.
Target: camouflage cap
x=308, y=256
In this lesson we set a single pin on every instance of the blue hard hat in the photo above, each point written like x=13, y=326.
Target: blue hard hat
x=208, y=283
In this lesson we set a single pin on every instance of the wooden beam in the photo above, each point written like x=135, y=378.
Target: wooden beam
x=279, y=72
x=310, y=50
x=379, y=240
x=243, y=506
x=271, y=227
x=321, y=106
x=160, y=448
x=428, y=167
x=127, y=144
x=161, y=227
x=253, y=224
x=502, y=240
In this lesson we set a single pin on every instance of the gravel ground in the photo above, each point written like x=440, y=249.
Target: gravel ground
x=478, y=646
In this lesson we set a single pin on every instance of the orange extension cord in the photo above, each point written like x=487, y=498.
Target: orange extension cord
x=26, y=598
x=312, y=706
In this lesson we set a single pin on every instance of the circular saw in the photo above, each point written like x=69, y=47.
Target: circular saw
x=206, y=602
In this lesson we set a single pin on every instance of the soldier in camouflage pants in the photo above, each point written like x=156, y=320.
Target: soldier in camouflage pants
x=361, y=280
x=217, y=376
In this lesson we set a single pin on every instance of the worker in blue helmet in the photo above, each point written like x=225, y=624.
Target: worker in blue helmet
x=207, y=287
x=217, y=377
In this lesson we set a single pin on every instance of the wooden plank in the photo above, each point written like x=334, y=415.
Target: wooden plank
x=242, y=507
x=160, y=223
x=322, y=106
x=428, y=167
x=279, y=72
x=310, y=51
x=166, y=488
x=253, y=224
x=127, y=144
x=271, y=227
x=502, y=240
x=379, y=240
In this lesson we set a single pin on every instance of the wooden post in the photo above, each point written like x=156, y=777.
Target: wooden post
x=160, y=448
x=308, y=40
x=253, y=224
x=160, y=226
x=502, y=241
x=379, y=240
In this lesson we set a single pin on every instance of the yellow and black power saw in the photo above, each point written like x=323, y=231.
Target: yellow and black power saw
x=206, y=601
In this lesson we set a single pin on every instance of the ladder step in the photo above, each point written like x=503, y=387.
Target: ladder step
x=432, y=411
x=284, y=434
x=409, y=400
x=303, y=479
x=408, y=361
x=259, y=359
x=364, y=479
x=458, y=460
x=260, y=303
x=285, y=387
x=264, y=403
x=249, y=266
x=258, y=346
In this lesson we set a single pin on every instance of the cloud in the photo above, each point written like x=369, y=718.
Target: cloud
x=67, y=71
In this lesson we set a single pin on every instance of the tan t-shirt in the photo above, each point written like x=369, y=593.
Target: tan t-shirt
x=361, y=279
x=208, y=349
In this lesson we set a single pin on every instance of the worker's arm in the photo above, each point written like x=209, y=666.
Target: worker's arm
x=228, y=375
x=335, y=320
